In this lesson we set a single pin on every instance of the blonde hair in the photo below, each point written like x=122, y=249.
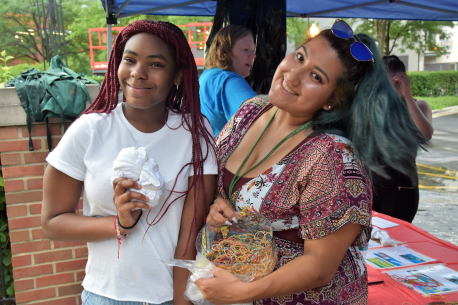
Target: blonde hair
x=221, y=47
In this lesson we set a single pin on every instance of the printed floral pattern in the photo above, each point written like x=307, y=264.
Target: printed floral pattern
x=317, y=188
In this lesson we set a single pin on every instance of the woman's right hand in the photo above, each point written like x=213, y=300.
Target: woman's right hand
x=125, y=205
x=222, y=212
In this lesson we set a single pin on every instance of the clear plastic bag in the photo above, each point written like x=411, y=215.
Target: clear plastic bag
x=246, y=248
x=384, y=238
x=201, y=268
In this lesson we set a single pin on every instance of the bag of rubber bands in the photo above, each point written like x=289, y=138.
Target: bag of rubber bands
x=246, y=249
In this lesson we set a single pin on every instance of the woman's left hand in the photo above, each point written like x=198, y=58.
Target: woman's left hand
x=402, y=83
x=223, y=288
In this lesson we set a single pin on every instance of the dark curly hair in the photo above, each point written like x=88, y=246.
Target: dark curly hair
x=393, y=64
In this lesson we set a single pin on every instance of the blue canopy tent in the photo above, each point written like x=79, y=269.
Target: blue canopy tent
x=382, y=9
x=437, y=10
x=252, y=14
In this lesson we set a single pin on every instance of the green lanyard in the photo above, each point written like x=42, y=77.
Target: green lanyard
x=237, y=177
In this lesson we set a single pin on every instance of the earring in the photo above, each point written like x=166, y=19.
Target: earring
x=329, y=107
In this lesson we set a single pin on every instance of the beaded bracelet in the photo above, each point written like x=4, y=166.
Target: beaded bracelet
x=118, y=232
x=119, y=236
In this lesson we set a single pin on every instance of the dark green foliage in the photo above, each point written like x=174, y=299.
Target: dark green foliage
x=18, y=21
x=5, y=243
x=434, y=83
x=417, y=35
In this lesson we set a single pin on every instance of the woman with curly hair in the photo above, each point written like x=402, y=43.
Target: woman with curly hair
x=154, y=66
x=222, y=85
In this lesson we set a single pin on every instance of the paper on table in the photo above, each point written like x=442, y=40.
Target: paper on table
x=392, y=257
x=383, y=223
x=374, y=243
x=427, y=279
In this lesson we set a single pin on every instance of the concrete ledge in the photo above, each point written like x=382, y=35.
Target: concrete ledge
x=445, y=111
x=12, y=113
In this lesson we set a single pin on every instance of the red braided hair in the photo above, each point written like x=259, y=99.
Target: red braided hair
x=184, y=100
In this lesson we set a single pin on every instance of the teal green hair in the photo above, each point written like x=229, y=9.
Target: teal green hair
x=369, y=112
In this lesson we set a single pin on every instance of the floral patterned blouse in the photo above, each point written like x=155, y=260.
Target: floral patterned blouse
x=317, y=188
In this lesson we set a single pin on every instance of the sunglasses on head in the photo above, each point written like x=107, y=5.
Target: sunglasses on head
x=358, y=50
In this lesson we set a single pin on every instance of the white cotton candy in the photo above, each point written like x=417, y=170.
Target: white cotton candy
x=135, y=164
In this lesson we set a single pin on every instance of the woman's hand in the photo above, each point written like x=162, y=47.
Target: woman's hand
x=222, y=212
x=125, y=205
x=223, y=288
x=419, y=110
x=402, y=84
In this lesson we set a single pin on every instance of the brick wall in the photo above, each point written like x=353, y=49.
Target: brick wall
x=44, y=271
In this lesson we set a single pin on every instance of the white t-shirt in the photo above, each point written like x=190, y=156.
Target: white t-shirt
x=86, y=153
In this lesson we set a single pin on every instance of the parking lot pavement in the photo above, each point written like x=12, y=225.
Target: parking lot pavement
x=443, y=149
x=438, y=173
x=438, y=214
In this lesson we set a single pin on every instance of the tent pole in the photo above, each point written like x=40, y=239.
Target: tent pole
x=121, y=8
x=110, y=21
x=109, y=39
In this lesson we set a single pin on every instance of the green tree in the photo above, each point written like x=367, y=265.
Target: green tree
x=414, y=35
x=19, y=18
x=296, y=28
x=18, y=21
x=5, y=243
x=5, y=74
x=20, y=36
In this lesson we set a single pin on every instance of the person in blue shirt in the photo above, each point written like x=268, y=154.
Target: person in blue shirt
x=222, y=85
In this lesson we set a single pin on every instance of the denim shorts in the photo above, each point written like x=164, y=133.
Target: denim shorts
x=90, y=298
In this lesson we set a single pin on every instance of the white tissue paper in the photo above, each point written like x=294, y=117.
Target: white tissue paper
x=384, y=238
x=135, y=164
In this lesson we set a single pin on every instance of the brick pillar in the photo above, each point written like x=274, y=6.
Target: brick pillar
x=44, y=271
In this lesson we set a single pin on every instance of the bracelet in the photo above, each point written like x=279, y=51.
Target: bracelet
x=118, y=232
x=128, y=228
x=119, y=236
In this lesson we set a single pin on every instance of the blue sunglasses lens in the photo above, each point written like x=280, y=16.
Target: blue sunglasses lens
x=342, y=30
x=361, y=52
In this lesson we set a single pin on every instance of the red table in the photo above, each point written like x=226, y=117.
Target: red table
x=392, y=292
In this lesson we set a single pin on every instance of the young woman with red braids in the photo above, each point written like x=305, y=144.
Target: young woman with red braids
x=154, y=65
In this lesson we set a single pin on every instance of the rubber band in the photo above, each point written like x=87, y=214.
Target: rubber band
x=436, y=296
x=248, y=254
x=128, y=228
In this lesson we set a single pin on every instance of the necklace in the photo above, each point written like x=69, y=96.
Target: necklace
x=236, y=177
